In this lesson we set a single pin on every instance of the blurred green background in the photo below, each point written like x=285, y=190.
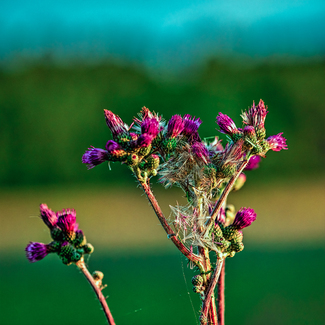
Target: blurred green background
x=50, y=113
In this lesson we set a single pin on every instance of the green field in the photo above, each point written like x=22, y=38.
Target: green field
x=262, y=287
x=278, y=278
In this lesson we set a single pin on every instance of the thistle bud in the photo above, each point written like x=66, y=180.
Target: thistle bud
x=80, y=239
x=132, y=159
x=197, y=280
x=197, y=289
x=153, y=162
x=239, y=183
x=88, y=248
x=97, y=275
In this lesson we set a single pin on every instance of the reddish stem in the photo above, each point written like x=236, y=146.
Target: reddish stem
x=170, y=233
x=211, y=287
x=221, y=296
x=81, y=265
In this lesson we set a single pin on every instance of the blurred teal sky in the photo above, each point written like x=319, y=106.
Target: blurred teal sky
x=161, y=34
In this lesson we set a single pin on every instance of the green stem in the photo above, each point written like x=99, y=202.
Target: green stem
x=224, y=195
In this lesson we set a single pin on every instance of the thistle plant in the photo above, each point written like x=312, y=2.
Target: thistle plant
x=206, y=230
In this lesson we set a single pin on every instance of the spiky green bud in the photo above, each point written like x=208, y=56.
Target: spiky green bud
x=197, y=280
x=88, y=248
x=57, y=234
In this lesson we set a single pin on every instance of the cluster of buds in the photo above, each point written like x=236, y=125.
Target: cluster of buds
x=201, y=168
x=143, y=145
x=198, y=285
x=69, y=242
x=230, y=238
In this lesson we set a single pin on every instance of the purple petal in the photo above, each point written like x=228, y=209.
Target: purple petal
x=277, y=142
x=36, y=251
x=226, y=124
x=94, y=156
x=48, y=216
x=175, y=126
x=244, y=218
x=115, y=123
x=253, y=163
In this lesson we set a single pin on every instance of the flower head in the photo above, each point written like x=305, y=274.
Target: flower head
x=253, y=162
x=150, y=126
x=115, y=123
x=200, y=151
x=227, y=125
x=67, y=221
x=191, y=127
x=36, y=251
x=175, y=126
x=244, y=218
x=111, y=146
x=48, y=216
x=277, y=142
x=94, y=156
x=255, y=117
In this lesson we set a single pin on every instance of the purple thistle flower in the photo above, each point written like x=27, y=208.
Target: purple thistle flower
x=175, y=126
x=144, y=140
x=150, y=125
x=111, y=146
x=226, y=124
x=256, y=115
x=277, y=142
x=200, y=151
x=244, y=218
x=48, y=216
x=94, y=156
x=191, y=127
x=249, y=131
x=67, y=220
x=115, y=123
x=36, y=251
x=253, y=162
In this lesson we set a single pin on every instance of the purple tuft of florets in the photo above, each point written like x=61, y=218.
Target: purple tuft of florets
x=200, y=151
x=191, y=127
x=67, y=220
x=175, y=126
x=249, y=131
x=277, y=142
x=244, y=218
x=36, y=251
x=94, y=156
x=144, y=140
x=48, y=216
x=115, y=123
x=256, y=115
x=111, y=146
x=253, y=162
x=226, y=124
x=150, y=125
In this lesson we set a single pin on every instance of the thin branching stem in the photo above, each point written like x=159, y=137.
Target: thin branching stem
x=197, y=260
x=81, y=265
x=221, y=296
x=224, y=196
x=210, y=290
